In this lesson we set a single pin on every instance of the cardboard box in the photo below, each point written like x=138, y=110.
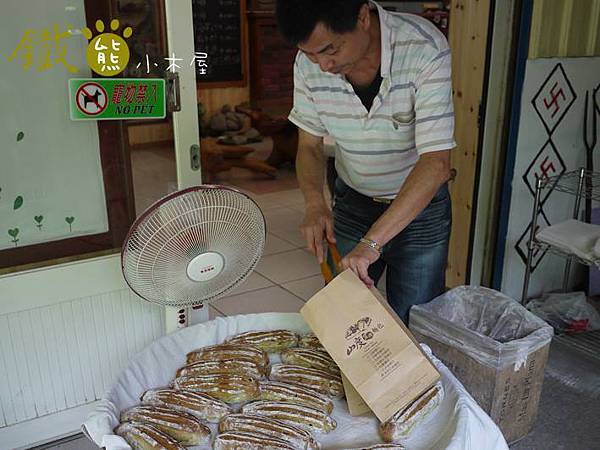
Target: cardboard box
x=373, y=348
x=510, y=397
x=504, y=375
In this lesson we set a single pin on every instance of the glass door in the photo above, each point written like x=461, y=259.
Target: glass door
x=82, y=156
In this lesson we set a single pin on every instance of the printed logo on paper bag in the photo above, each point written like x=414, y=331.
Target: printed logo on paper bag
x=361, y=336
x=360, y=333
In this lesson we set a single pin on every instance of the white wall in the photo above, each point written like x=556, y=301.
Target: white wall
x=583, y=74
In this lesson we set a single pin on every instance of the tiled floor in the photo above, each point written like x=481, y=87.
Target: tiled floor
x=287, y=274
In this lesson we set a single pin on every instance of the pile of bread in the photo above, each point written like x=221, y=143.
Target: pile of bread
x=256, y=405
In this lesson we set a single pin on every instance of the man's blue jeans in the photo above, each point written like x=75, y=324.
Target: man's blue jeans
x=415, y=258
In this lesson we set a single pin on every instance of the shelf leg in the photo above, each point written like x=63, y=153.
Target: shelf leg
x=536, y=207
x=575, y=216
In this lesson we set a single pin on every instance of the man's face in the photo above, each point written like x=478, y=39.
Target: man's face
x=337, y=53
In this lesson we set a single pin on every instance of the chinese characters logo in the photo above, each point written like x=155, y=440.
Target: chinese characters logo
x=358, y=334
x=43, y=49
x=107, y=53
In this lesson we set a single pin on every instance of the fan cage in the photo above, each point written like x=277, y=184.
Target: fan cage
x=177, y=228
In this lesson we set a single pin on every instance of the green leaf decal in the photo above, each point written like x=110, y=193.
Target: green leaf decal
x=18, y=202
x=70, y=220
x=13, y=233
x=38, y=219
x=20, y=136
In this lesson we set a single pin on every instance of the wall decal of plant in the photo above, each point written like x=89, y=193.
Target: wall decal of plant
x=20, y=136
x=39, y=220
x=18, y=202
x=70, y=221
x=13, y=233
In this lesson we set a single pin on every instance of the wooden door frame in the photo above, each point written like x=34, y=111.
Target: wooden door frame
x=469, y=41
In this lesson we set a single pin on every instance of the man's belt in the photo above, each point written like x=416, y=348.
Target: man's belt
x=387, y=201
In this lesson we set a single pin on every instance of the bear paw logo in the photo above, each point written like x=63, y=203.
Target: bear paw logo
x=107, y=53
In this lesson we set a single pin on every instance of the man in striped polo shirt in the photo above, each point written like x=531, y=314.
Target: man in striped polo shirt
x=379, y=84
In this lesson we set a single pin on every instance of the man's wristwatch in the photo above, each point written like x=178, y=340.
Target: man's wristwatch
x=369, y=242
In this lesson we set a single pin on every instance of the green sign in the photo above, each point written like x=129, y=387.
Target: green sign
x=117, y=98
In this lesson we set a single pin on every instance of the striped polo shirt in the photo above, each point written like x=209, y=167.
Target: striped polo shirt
x=412, y=114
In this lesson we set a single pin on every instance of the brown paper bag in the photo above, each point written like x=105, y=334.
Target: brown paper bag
x=373, y=348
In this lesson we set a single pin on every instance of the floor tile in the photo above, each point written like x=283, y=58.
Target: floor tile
x=290, y=197
x=272, y=299
x=292, y=235
x=298, y=207
x=288, y=266
x=283, y=219
x=307, y=287
x=252, y=283
x=275, y=244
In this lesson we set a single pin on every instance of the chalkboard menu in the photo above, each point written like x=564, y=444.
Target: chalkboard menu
x=218, y=38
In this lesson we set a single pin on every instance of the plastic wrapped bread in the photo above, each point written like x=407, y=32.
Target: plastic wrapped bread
x=252, y=423
x=146, y=437
x=226, y=351
x=228, y=388
x=240, y=366
x=400, y=426
x=183, y=427
x=198, y=404
x=314, y=359
x=238, y=440
x=319, y=380
x=269, y=341
x=304, y=416
x=292, y=393
x=310, y=340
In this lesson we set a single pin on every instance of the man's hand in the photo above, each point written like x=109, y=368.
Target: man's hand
x=317, y=225
x=359, y=260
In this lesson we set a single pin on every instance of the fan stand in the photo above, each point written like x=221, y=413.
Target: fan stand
x=190, y=248
x=203, y=267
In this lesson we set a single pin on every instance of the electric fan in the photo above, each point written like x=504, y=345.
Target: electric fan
x=193, y=246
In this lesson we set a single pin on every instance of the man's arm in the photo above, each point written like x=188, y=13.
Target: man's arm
x=429, y=174
x=310, y=166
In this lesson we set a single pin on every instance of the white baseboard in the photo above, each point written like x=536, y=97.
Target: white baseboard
x=44, y=429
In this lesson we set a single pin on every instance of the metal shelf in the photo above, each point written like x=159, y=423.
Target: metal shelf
x=568, y=183
x=542, y=246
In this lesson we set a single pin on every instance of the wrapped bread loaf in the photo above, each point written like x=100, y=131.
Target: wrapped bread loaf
x=301, y=415
x=230, y=388
x=404, y=421
x=198, y=404
x=251, y=423
x=269, y=341
x=311, y=341
x=183, y=427
x=241, y=366
x=292, y=393
x=381, y=447
x=238, y=440
x=319, y=380
x=313, y=359
x=229, y=351
x=141, y=436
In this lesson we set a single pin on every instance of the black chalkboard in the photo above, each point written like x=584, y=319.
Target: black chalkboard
x=218, y=33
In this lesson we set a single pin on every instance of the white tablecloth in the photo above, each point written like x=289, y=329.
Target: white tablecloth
x=458, y=424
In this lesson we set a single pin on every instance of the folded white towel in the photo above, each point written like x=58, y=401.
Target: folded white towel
x=573, y=236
